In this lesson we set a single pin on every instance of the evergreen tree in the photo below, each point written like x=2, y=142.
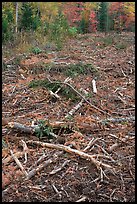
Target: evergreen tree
x=103, y=17
x=30, y=18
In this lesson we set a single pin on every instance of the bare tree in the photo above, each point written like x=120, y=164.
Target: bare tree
x=17, y=6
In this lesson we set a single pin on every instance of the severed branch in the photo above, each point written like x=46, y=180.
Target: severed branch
x=18, y=163
x=70, y=150
x=73, y=110
x=27, y=129
x=94, y=86
x=117, y=120
x=21, y=127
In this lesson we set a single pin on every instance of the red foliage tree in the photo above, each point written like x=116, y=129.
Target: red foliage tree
x=122, y=13
x=93, y=21
x=73, y=12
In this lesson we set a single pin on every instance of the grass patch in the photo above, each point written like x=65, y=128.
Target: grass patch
x=106, y=41
x=120, y=46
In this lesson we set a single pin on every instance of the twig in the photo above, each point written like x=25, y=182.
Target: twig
x=130, y=165
x=81, y=199
x=112, y=195
x=15, y=57
x=56, y=190
x=73, y=110
x=103, y=150
x=39, y=160
x=90, y=143
x=117, y=120
x=25, y=150
x=59, y=169
x=66, y=80
x=70, y=150
x=12, y=91
x=121, y=140
x=54, y=94
x=112, y=147
x=18, y=163
x=10, y=158
x=43, y=165
x=39, y=168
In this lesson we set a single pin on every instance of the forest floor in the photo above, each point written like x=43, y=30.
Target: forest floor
x=91, y=155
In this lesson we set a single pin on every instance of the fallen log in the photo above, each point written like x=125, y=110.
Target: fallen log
x=61, y=124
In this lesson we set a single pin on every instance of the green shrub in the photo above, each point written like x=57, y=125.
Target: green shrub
x=35, y=50
x=43, y=130
x=72, y=31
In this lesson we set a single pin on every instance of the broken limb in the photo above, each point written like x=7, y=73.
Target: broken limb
x=117, y=120
x=21, y=127
x=73, y=110
x=18, y=163
x=27, y=129
x=70, y=150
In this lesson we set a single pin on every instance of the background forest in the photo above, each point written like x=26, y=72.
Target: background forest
x=26, y=25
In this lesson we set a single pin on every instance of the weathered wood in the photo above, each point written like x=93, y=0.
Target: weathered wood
x=72, y=151
x=21, y=127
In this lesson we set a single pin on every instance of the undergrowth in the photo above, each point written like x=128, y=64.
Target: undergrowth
x=65, y=91
x=43, y=130
x=74, y=70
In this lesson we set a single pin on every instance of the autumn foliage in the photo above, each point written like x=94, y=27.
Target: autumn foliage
x=84, y=16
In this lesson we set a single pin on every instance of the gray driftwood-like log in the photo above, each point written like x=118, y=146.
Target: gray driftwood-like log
x=117, y=120
x=21, y=127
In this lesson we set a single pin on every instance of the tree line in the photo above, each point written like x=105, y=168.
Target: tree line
x=59, y=19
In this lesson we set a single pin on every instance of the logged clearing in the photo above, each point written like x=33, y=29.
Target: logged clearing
x=65, y=139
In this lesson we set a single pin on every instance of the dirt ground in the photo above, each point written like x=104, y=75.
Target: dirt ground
x=97, y=159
